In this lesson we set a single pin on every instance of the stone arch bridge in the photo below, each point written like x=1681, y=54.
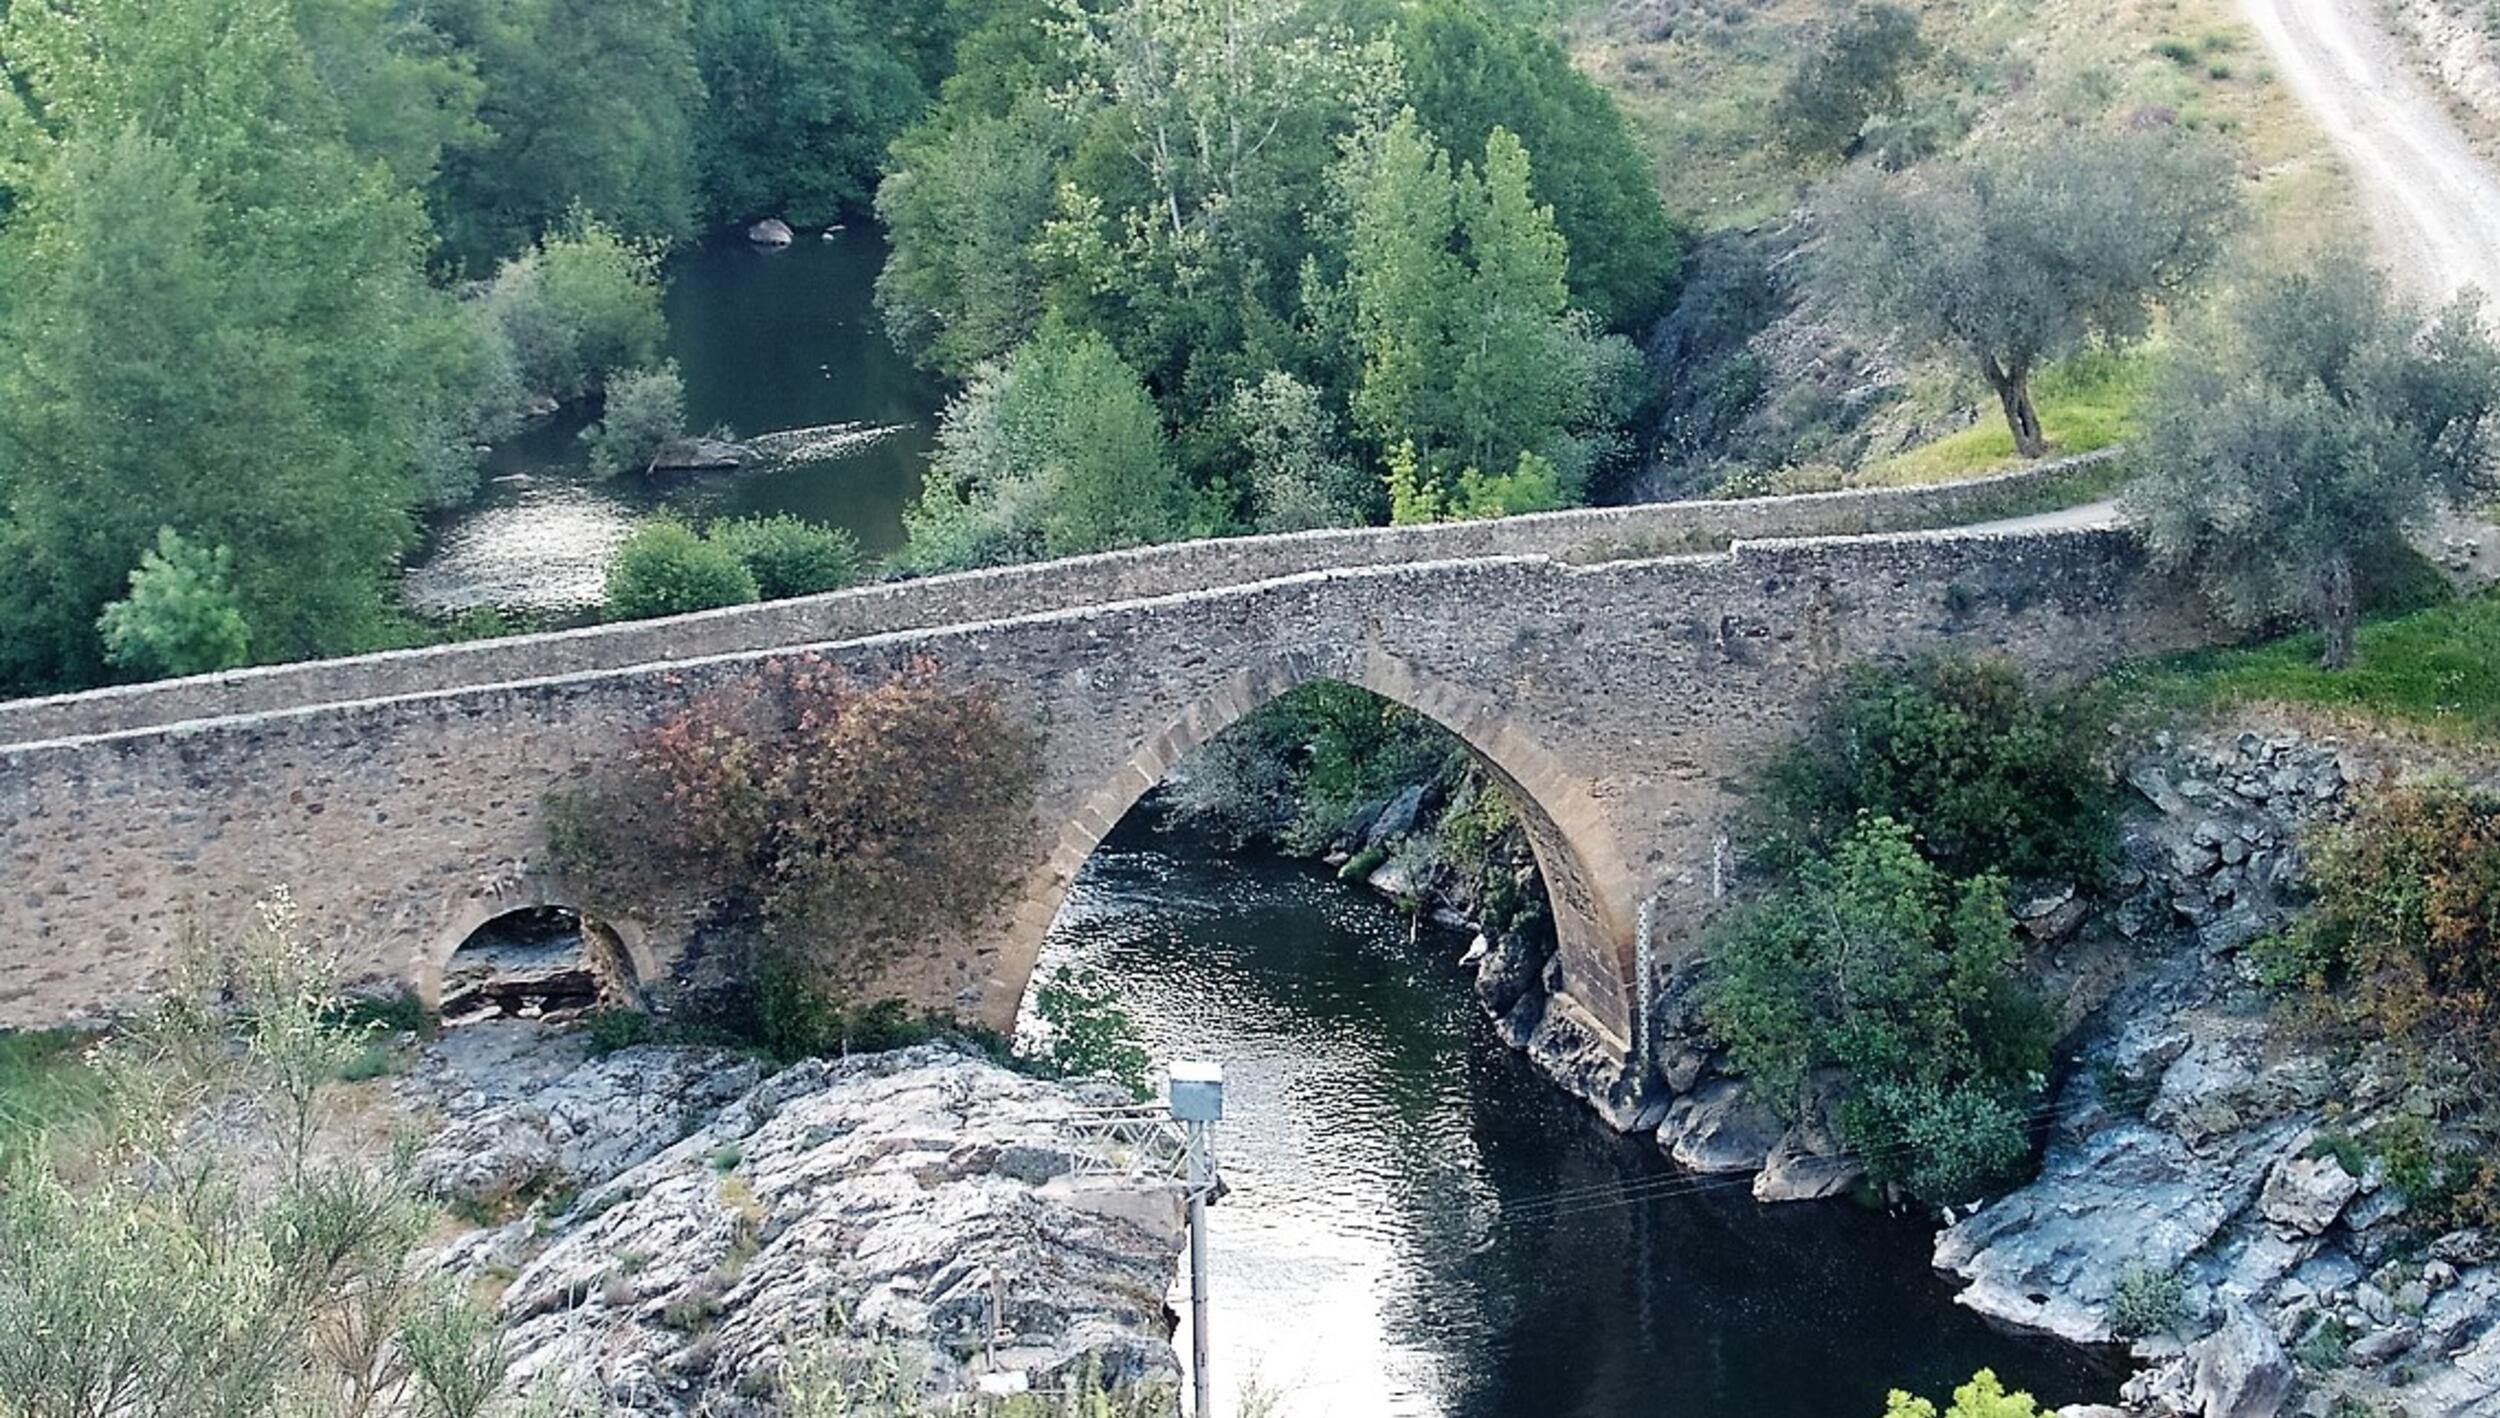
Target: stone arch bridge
x=1619, y=668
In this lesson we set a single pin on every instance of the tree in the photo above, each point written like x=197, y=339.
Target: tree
x=2021, y=252
x=645, y=412
x=965, y=205
x=2305, y=435
x=788, y=557
x=1469, y=69
x=1057, y=451
x=802, y=101
x=1873, y=961
x=591, y=104
x=1460, y=310
x=1983, y=1397
x=273, y=398
x=664, y=568
x=1299, y=475
x=1860, y=72
x=180, y=617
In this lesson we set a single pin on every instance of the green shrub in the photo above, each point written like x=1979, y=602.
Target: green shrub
x=2403, y=941
x=1987, y=775
x=1090, y=1035
x=645, y=412
x=665, y=569
x=1873, y=960
x=2147, y=1301
x=181, y=616
x=788, y=557
x=1983, y=1397
x=611, y=1029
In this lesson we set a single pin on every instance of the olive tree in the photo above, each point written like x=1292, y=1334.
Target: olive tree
x=2310, y=429
x=2019, y=253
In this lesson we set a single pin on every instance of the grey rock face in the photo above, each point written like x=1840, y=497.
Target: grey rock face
x=2241, y=1369
x=927, y=1196
x=1720, y=1127
x=526, y=1110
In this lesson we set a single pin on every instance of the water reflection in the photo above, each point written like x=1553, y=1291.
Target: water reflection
x=1393, y=1242
x=765, y=340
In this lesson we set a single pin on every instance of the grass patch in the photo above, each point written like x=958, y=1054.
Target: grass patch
x=2085, y=403
x=2436, y=669
x=44, y=1084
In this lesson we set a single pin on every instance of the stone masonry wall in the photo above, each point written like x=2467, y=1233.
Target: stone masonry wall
x=1623, y=699
x=1589, y=534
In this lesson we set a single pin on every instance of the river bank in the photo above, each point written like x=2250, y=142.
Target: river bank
x=2201, y=1201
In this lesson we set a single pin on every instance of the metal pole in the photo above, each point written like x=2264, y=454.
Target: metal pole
x=1200, y=1183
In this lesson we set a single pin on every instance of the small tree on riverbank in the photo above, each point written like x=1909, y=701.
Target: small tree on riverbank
x=2022, y=252
x=2310, y=429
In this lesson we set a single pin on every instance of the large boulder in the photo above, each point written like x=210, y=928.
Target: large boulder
x=2307, y=1193
x=771, y=231
x=1720, y=1127
x=2240, y=1369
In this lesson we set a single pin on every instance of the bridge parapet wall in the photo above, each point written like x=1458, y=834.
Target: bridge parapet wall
x=1584, y=535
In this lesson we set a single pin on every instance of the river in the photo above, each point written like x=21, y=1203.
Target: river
x=765, y=339
x=1419, y=1225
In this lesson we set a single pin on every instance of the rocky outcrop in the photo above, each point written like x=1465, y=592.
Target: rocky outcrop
x=771, y=231
x=2197, y=1145
x=701, y=455
x=935, y=1207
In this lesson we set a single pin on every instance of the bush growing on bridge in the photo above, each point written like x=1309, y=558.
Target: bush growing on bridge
x=843, y=820
x=1876, y=962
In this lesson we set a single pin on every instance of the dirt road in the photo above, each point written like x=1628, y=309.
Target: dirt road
x=2433, y=203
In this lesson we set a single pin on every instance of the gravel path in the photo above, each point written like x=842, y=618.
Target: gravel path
x=2433, y=204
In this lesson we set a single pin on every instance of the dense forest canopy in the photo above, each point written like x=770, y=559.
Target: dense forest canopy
x=279, y=270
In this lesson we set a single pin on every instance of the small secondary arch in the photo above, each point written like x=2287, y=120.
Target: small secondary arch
x=528, y=952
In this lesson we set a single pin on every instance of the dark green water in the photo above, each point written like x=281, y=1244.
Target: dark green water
x=764, y=340
x=1393, y=1245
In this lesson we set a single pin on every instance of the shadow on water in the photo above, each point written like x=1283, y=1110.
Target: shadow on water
x=1391, y=1244
x=765, y=340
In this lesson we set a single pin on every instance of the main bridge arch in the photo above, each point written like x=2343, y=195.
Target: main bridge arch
x=1587, y=881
